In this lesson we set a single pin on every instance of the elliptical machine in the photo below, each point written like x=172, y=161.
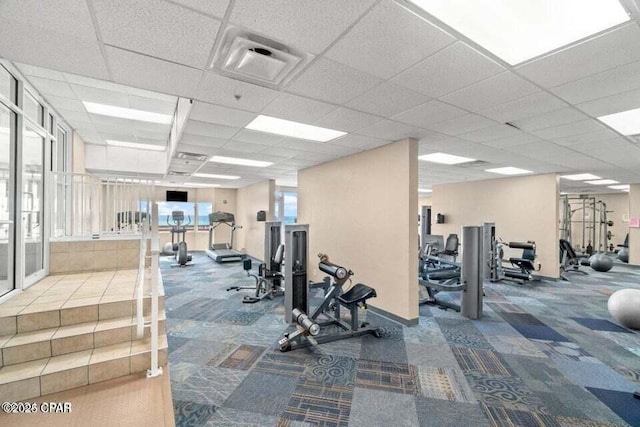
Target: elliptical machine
x=178, y=234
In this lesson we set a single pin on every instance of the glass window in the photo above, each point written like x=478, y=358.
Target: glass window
x=32, y=108
x=204, y=209
x=290, y=207
x=32, y=199
x=61, y=151
x=52, y=124
x=165, y=210
x=8, y=85
x=7, y=134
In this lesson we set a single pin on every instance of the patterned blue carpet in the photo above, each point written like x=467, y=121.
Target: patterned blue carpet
x=544, y=354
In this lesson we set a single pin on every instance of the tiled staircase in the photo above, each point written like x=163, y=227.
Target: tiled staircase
x=69, y=331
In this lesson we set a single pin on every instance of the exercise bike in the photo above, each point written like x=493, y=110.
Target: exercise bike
x=178, y=234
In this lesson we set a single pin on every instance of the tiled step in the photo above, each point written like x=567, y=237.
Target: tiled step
x=53, y=374
x=33, y=345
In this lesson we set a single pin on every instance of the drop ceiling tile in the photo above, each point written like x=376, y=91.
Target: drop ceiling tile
x=611, y=82
x=69, y=17
x=510, y=141
x=74, y=116
x=254, y=137
x=617, y=47
x=429, y=113
x=158, y=29
x=575, y=128
x=66, y=104
x=451, y=69
x=216, y=8
x=308, y=24
x=223, y=91
x=195, y=127
x=614, y=144
x=612, y=104
x=152, y=105
x=389, y=130
x=359, y=141
x=100, y=96
x=281, y=151
x=197, y=149
x=547, y=120
x=332, y=82
x=347, y=120
x=490, y=133
x=153, y=74
x=543, y=150
x=462, y=124
x=245, y=147
x=529, y=106
x=388, y=40
x=493, y=91
x=52, y=87
x=205, y=112
x=297, y=108
x=30, y=44
x=386, y=100
x=318, y=158
x=596, y=135
x=151, y=135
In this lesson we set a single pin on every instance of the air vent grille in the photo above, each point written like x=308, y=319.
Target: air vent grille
x=191, y=156
x=177, y=173
x=473, y=165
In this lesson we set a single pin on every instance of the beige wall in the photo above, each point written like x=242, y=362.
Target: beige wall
x=78, y=154
x=634, y=233
x=618, y=203
x=523, y=208
x=250, y=200
x=223, y=199
x=93, y=255
x=361, y=211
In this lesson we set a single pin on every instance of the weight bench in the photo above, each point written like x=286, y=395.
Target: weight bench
x=570, y=262
x=328, y=312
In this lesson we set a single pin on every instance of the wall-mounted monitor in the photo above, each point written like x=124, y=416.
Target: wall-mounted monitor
x=177, y=196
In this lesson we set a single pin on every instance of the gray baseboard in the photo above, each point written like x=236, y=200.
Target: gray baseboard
x=391, y=316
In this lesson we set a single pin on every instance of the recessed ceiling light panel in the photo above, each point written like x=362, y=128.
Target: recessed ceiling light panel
x=214, y=176
x=241, y=162
x=425, y=190
x=626, y=122
x=581, y=177
x=137, y=145
x=518, y=30
x=127, y=113
x=602, y=182
x=446, y=159
x=510, y=170
x=293, y=129
x=620, y=187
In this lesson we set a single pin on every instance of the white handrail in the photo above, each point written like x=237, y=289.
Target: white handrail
x=142, y=261
x=155, y=369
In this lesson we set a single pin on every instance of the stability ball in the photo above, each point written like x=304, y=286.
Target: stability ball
x=623, y=255
x=167, y=249
x=624, y=306
x=601, y=262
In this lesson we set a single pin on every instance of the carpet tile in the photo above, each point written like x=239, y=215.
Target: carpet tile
x=547, y=354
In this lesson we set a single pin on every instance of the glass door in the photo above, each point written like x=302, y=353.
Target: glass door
x=32, y=203
x=7, y=235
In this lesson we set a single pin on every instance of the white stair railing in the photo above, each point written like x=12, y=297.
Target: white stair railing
x=155, y=369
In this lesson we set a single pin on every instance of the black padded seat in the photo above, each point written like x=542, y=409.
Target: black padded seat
x=524, y=263
x=444, y=275
x=359, y=293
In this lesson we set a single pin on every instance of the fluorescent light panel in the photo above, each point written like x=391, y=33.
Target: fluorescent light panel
x=150, y=147
x=626, y=122
x=620, y=187
x=425, y=190
x=520, y=30
x=293, y=129
x=127, y=113
x=241, y=162
x=200, y=184
x=603, y=182
x=509, y=170
x=214, y=176
x=447, y=159
x=581, y=177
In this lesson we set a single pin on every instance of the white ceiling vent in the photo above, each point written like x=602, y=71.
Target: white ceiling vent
x=250, y=57
x=178, y=173
x=191, y=156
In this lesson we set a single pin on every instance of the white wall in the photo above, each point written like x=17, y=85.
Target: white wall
x=523, y=208
x=78, y=154
x=361, y=211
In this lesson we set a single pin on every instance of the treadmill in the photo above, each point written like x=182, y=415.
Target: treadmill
x=223, y=252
